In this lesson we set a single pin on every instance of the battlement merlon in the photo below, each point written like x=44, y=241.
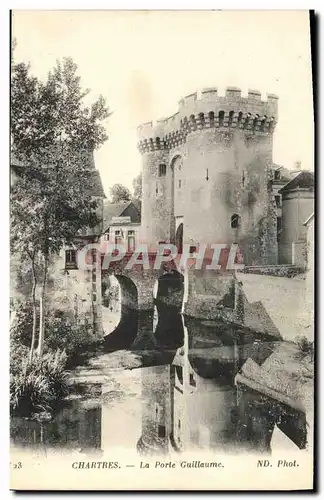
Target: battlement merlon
x=145, y=130
x=207, y=103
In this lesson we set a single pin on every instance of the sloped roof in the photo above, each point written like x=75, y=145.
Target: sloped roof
x=257, y=318
x=303, y=180
x=111, y=210
x=138, y=204
x=284, y=177
x=275, y=166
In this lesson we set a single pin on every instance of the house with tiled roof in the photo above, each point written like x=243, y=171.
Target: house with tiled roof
x=121, y=223
x=297, y=205
x=280, y=177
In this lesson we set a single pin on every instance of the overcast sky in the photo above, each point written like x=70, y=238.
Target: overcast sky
x=144, y=62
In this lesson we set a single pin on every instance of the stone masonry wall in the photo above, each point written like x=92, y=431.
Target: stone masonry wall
x=224, y=148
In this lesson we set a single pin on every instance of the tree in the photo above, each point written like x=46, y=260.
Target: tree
x=118, y=193
x=137, y=187
x=53, y=135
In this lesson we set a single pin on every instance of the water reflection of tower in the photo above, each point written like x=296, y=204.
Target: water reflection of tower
x=183, y=411
x=183, y=384
x=156, y=411
x=164, y=415
x=203, y=409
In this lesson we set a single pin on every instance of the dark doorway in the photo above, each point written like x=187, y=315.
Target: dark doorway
x=179, y=238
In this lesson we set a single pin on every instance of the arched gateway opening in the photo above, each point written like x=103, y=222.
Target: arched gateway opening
x=179, y=238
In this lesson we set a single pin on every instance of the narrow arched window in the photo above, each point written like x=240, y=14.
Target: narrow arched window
x=162, y=170
x=235, y=221
x=263, y=123
x=221, y=118
x=202, y=119
x=230, y=118
x=271, y=124
x=247, y=120
x=211, y=115
x=239, y=118
x=193, y=123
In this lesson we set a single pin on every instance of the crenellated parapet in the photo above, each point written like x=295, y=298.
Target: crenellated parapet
x=205, y=110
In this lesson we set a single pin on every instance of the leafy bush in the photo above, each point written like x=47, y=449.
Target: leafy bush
x=61, y=332
x=29, y=393
x=52, y=367
x=39, y=385
x=77, y=340
x=22, y=323
x=18, y=353
x=305, y=347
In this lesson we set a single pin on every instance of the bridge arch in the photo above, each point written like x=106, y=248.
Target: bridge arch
x=169, y=297
x=125, y=332
x=129, y=292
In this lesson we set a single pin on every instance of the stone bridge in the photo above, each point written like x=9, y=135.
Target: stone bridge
x=137, y=280
x=213, y=296
x=142, y=288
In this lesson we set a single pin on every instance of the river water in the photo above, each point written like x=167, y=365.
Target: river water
x=175, y=391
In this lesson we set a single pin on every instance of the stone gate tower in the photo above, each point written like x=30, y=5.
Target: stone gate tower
x=207, y=174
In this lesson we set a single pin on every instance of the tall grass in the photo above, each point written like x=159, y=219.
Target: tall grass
x=29, y=393
x=39, y=385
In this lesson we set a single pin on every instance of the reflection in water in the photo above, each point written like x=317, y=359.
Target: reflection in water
x=125, y=333
x=73, y=428
x=169, y=329
x=139, y=329
x=183, y=398
x=184, y=415
x=218, y=350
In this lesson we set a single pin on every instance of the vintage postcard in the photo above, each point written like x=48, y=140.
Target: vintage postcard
x=162, y=250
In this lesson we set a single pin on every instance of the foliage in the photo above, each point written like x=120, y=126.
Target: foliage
x=118, y=193
x=137, y=187
x=18, y=353
x=52, y=367
x=39, y=384
x=113, y=296
x=53, y=136
x=305, y=347
x=29, y=393
x=22, y=323
x=77, y=340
